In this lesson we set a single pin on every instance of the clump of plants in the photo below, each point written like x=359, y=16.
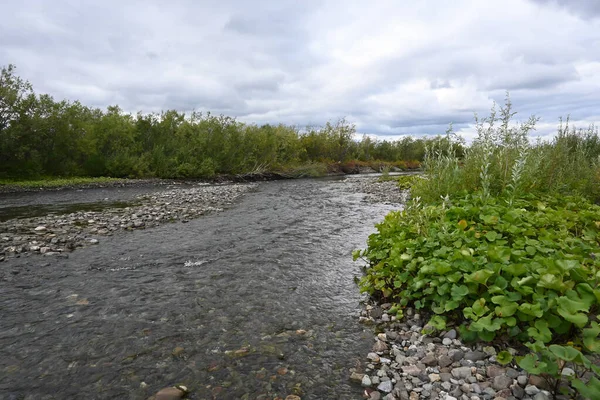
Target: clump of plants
x=521, y=273
x=487, y=251
x=405, y=182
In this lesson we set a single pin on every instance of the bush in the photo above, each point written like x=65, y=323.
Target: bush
x=502, y=161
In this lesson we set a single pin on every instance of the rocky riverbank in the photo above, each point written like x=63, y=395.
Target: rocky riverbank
x=386, y=192
x=56, y=235
x=406, y=365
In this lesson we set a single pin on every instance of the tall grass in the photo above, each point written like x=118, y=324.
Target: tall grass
x=502, y=161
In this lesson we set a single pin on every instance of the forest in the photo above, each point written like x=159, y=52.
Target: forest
x=41, y=137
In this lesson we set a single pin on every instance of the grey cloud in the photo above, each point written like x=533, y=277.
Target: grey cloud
x=582, y=8
x=304, y=63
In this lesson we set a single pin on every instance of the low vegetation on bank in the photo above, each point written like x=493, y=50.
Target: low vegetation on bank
x=43, y=137
x=503, y=244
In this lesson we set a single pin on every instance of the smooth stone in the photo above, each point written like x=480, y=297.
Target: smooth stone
x=445, y=361
x=366, y=381
x=170, y=393
x=446, y=342
x=542, y=396
x=445, y=376
x=518, y=391
x=522, y=380
x=461, y=372
x=494, y=371
x=475, y=356
x=375, y=395
x=568, y=372
x=456, y=355
x=356, y=377
x=429, y=360
x=531, y=390
x=501, y=382
x=385, y=387
x=451, y=334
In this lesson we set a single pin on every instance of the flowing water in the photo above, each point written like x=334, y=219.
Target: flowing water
x=257, y=301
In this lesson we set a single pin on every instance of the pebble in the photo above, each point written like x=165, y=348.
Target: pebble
x=170, y=393
x=542, y=396
x=462, y=372
x=57, y=233
x=501, y=382
x=366, y=381
x=531, y=390
x=385, y=387
x=451, y=334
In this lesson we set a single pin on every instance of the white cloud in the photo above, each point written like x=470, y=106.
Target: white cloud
x=393, y=68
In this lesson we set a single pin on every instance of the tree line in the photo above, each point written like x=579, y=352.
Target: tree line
x=43, y=137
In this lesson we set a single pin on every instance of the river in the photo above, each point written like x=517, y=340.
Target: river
x=254, y=302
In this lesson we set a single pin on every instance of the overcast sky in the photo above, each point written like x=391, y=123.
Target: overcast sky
x=390, y=67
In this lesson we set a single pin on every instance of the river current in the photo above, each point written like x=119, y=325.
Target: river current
x=254, y=302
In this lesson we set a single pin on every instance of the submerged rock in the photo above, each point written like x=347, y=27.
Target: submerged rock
x=170, y=393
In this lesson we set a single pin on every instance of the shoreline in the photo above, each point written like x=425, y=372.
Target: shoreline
x=55, y=184
x=59, y=234
x=406, y=364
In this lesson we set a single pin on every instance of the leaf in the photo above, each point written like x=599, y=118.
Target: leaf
x=530, y=363
x=459, y=291
x=504, y=357
x=531, y=309
x=480, y=276
x=490, y=219
x=566, y=353
x=506, y=310
x=590, y=337
x=462, y=224
x=479, y=307
x=589, y=391
x=492, y=236
x=551, y=281
x=540, y=331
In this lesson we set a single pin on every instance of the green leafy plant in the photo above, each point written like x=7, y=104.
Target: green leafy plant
x=523, y=272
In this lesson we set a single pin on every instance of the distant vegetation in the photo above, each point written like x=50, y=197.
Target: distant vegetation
x=503, y=243
x=42, y=137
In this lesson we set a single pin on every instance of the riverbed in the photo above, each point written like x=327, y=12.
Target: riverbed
x=253, y=301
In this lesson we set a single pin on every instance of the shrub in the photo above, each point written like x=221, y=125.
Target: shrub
x=502, y=161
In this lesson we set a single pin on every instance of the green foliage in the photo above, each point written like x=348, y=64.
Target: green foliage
x=405, y=182
x=502, y=161
x=40, y=136
x=55, y=183
x=526, y=271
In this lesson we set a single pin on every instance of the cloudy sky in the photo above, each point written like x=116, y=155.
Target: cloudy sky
x=391, y=67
